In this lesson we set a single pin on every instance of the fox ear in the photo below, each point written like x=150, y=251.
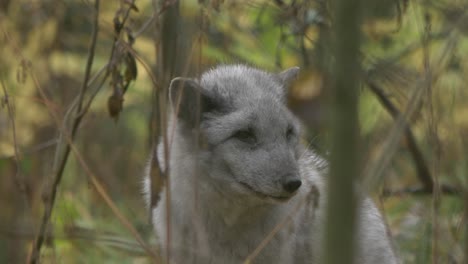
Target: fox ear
x=288, y=76
x=184, y=94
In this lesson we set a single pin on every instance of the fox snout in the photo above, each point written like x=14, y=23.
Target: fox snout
x=292, y=185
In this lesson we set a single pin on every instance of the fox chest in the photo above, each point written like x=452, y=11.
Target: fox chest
x=236, y=244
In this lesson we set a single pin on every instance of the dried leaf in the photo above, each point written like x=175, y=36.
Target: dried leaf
x=117, y=25
x=131, y=71
x=21, y=74
x=115, y=105
x=132, y=5
x=131, y=39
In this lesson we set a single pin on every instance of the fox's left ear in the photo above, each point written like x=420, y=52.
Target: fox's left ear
x=190, y=101
x=288, y=76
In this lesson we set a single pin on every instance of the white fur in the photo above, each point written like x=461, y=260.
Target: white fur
x=214, y=218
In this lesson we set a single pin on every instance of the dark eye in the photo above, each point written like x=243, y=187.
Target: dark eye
x=246, y=136
x=290, y=133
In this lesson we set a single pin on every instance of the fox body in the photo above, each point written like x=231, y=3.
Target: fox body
x=240, y=178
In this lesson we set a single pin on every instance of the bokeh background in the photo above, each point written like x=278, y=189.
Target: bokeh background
x=44, y=50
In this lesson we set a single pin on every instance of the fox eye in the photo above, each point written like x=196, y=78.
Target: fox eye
x=246, y=136
x=290, y=133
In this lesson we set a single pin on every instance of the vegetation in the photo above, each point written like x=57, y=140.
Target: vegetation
x=83, y=98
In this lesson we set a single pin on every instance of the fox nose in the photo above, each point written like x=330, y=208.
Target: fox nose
x=292, y=185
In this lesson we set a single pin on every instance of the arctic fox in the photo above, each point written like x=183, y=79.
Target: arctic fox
x=242, y=186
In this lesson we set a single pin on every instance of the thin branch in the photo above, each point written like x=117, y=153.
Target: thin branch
x=168, y=60
x=374, y=171
x=50, y=193
x=465, y=220
x=89, y=63
x=423, y=174
x=59, y=166
x=444, y=189
x=67, y=139
x=97, y=237
x=150, y=21
x=415, y=46
x=6, y=101
x=98, y=87
x=36, y=148
x=94, y=181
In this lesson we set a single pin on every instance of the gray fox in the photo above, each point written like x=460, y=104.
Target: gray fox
x=243, y=187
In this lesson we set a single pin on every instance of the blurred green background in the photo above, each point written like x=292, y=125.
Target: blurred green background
x=49, y=40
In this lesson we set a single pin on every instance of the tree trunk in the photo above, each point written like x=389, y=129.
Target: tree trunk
x=344, y=162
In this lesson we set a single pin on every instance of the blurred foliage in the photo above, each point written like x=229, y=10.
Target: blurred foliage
x=52, y=37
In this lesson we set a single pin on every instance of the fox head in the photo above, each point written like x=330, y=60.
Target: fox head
x=249, y=139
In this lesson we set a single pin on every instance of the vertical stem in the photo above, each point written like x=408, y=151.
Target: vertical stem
x=465, y=194
x=168, y=61
x=433, y=138
x=344, y=162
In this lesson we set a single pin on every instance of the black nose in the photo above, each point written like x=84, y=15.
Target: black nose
x=292, y=185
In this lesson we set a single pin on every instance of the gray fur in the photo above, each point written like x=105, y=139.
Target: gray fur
x=228, y=181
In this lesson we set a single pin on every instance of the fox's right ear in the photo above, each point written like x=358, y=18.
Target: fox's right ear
x=184, y=94
x=288, y=76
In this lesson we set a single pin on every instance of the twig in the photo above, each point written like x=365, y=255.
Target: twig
x=79, y=114
x=415, y=46
x=423, y=174
x=147, y=23
x=41, y=146
x=94, y=181
x=33, y=149
x=17, y=178
x=167, y=61
x=433, y=138
x=98, y=87
x=79, y=233
x=465, y=220
x=50, y=193
x=279, y=46
x=62, y=157
x=444, y=189
x=66, y=143
x=374, y=171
